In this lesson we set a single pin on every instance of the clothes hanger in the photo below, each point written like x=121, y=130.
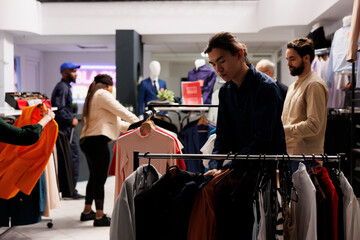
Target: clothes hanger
x=277, y=172
x=227, y=174
x=202, y=120
x=146, y=127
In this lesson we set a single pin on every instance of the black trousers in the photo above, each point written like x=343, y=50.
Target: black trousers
x=97, y=155
x=74, y=152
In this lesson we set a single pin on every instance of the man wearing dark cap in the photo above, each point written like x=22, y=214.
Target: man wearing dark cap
x=62, y=99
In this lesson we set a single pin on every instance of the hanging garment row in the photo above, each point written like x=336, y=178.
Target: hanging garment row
x=28, y=175
x=260, y=200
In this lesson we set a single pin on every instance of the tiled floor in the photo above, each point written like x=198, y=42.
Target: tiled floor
x=66, y=221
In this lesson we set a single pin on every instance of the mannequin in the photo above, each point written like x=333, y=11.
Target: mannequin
x=346, y=20
x=206, y=76
x=154, y=70
x=316, y=26
x=336, y=76
x=198, y=63
x=317, y=34
x=147, y=90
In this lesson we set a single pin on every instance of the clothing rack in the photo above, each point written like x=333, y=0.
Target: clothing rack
x=177, y=108
x=322, y=51
x=260, y=157
x=354, y=126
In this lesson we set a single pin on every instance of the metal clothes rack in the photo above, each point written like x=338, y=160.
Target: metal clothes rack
x=354, y=151
x=177, y=108
x=284, y=157
x=322, y=51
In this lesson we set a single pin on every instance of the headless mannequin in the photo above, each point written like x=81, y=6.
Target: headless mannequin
x=346, y=20
x=199, y=63
x=316, y=26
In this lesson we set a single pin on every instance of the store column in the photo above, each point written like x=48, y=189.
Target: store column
x=129, y=51
x=6, y=65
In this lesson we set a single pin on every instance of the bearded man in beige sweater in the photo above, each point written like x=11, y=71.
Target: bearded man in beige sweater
x=304, y=114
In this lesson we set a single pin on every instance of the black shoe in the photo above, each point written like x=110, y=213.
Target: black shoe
x=87, y=216
x=78, y=196
x=104, y=221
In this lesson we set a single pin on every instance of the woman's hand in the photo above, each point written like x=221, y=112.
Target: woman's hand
x=48, y=116
x=213, y=172
x=49, y=113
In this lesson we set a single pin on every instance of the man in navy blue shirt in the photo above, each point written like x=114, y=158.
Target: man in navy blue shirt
x=250, y=104
x=61, y=98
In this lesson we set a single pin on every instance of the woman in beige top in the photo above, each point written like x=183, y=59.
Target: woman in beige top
x=101, y=124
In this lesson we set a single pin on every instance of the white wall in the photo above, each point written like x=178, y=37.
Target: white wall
x=20, y=15
x=52, y=62
x=31, y=68
x=6, y=65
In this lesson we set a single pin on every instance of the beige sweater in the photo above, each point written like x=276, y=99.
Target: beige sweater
x=105, y=117
x=305, y=114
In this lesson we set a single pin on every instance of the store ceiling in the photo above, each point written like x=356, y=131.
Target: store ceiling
x=177, y=44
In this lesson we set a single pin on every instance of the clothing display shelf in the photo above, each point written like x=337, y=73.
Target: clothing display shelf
x=178, y=108
x=284, y=157
x=355, y=150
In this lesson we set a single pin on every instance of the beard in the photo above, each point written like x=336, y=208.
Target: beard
x=296, y=71
x=70, y=77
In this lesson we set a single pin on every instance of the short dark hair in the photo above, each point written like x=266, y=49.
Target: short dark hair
x=227, y=41
x=303, y=46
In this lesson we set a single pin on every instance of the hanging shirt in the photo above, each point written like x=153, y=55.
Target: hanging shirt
x=154, y=142
x=305, y=207
x=22, y=166
x=331, y=196
x=207, y=77
x=351, y=210
x=123, y=215
x=337, y=58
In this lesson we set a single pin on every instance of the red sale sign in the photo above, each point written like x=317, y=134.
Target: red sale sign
x=191, y=93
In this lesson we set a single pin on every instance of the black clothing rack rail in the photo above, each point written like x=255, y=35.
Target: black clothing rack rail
x=152, y=106
x=177, y=108
x=283, y=157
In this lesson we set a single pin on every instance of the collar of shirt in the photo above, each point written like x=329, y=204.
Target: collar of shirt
x=248, y=81
x=67, y=83
x=156, y=83
x=303, y=79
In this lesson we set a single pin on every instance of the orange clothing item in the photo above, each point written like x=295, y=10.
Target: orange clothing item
x=22, y=166
x=202, y=222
